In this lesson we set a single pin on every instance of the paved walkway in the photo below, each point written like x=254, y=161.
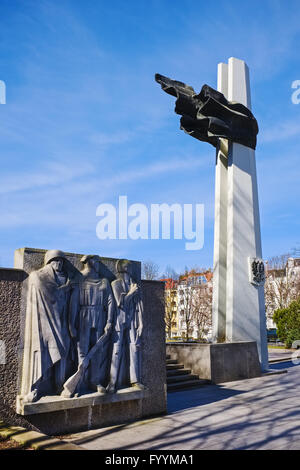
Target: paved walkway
x=260, y=413
x=280, y=354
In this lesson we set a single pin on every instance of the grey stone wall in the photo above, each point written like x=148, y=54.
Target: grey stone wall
x=154, y=348
x=31, y=259
x=71, y=420
x=11, y=281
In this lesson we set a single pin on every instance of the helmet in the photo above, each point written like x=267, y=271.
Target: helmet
x=53, y=254
x=86, y=258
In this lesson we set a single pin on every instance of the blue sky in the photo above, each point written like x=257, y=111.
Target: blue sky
x=85, y=122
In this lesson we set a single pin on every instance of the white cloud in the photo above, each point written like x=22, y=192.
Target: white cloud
x=280, y=131
x=50, y=174
x=101, y=138
x=62, y=195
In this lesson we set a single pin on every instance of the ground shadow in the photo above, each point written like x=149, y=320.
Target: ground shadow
x=282, y=365
x=182, y=400
x=262, y=414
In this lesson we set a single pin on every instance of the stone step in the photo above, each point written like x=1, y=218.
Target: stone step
x=187, y=384
x=170, y=373
x=175, y=366
x=172, y=361
x=182, y=378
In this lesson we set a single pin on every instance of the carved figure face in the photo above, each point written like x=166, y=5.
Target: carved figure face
x=126, y=267
x=95, y=264
x=57, y=264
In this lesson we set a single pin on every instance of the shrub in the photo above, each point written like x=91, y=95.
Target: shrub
x=288, y=323
x=292, y=336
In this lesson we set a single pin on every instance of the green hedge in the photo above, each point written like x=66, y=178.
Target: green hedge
x=288, y=323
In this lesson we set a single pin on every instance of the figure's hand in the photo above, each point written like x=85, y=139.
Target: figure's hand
x=133, y=288
x=66, y=286
x=108, y=327
x=139, y=331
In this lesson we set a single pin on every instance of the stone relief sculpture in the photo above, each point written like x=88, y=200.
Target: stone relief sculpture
x=92, y=309
x=125, y=364
x=82, y=335
x=47, y=340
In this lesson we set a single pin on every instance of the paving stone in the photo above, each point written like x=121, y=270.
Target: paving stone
x=59, y=445
x=27, y=437
x=10, y=431
x=35, y=440
x=259, y=413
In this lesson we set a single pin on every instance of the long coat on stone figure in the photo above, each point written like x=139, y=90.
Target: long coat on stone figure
x=47, y=339
x=126, y=354
x=92, y=309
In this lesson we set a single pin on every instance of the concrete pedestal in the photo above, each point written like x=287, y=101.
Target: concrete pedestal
x=222, y=362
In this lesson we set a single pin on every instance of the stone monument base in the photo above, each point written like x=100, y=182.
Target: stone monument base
x=58, y=403
x=56, y=415
x=59, y=415
x=219, y=362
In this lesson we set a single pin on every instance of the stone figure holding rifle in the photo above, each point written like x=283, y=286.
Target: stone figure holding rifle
x=126, y=354
x=92, y=310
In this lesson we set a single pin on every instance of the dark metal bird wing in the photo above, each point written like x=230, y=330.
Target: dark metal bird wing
x=209, y=116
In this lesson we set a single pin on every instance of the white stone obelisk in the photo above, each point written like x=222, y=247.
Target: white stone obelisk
x=220, y=230
x=238, y=304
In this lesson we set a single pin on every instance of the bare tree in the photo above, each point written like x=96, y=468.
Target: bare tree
x=202, y=308
x=150, y=270
x=169, y=273
x=170, y=309
x=278, y=262
x=296, y=250
x=186, y=309
x=195, y=300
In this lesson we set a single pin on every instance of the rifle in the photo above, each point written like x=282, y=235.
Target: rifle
x=71, y=384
